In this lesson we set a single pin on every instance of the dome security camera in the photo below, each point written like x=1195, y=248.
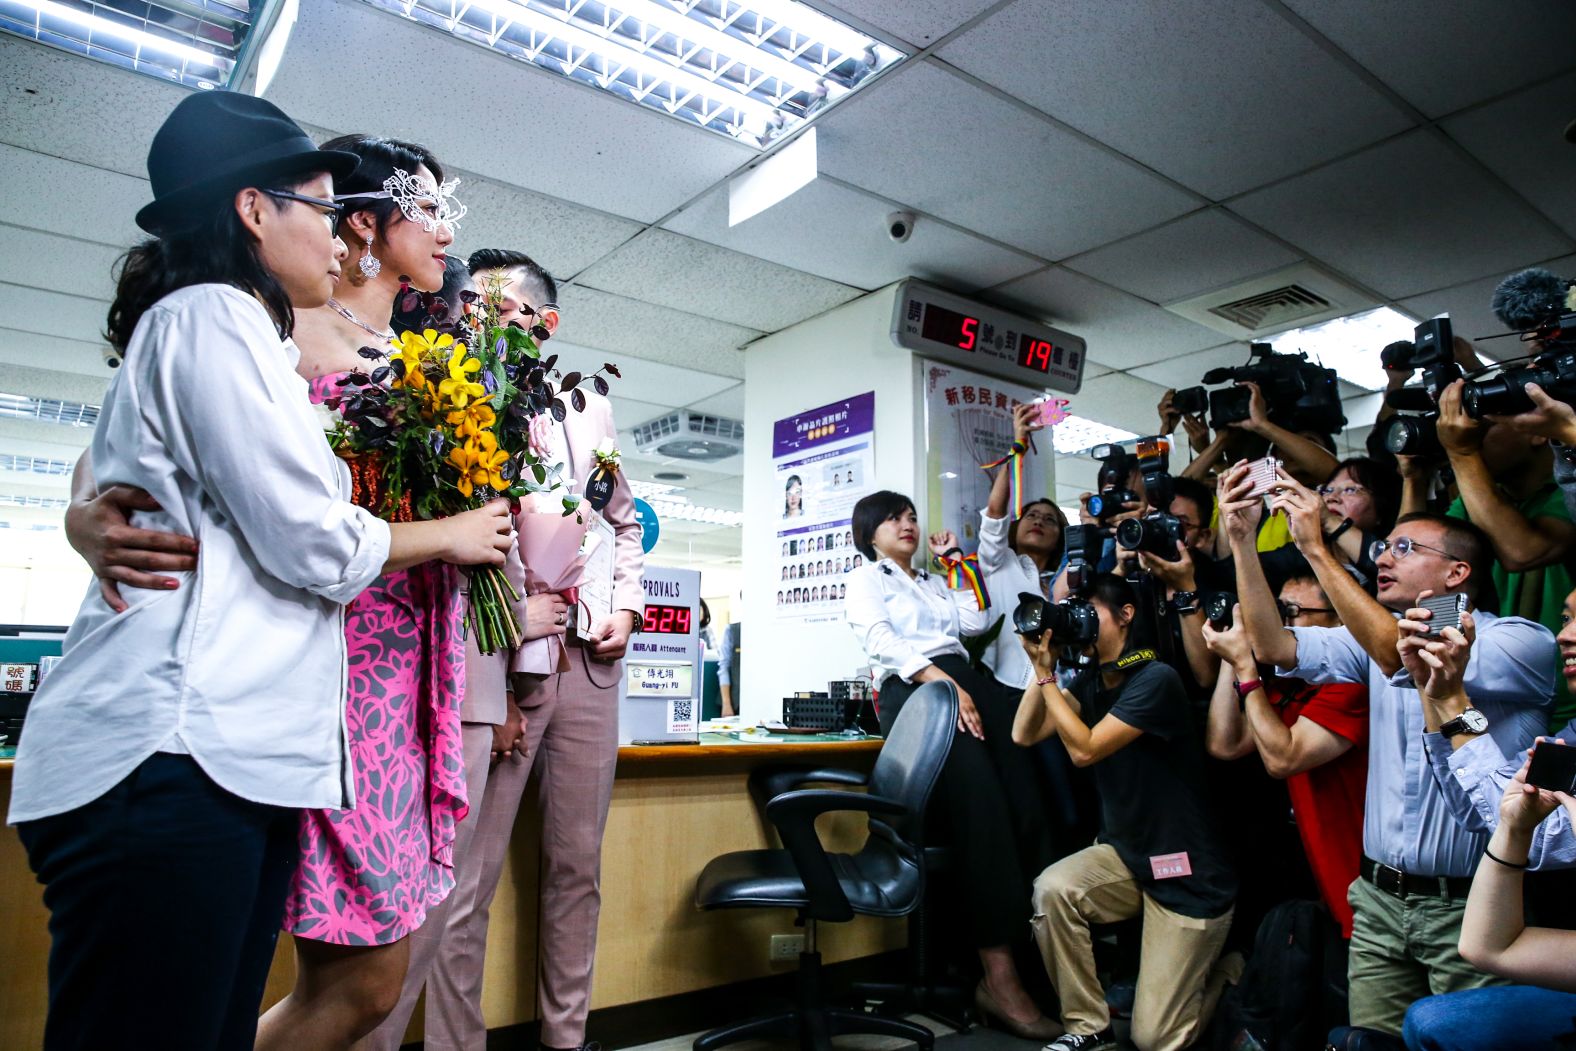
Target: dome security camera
x=900, y=226
x=112, y=357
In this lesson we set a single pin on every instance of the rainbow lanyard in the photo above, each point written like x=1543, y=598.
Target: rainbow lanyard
x=1015, y=478
x=965, y=570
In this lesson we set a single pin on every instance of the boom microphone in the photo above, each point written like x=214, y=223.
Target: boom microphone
x=1529, y=298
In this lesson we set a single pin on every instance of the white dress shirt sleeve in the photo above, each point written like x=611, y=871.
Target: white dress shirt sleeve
x=219, y=392
x=994, y=552
x=1326, y=655
x=1512, y=663
x=866, y=610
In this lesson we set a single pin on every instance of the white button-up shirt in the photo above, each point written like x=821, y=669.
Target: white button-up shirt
x=1007, y=575
x=243, y=665
x=905, y=623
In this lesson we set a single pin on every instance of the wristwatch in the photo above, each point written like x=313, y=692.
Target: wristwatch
x=1185, y=602
x=1470, y=721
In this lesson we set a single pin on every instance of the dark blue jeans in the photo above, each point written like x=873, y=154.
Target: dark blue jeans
x=1515, y=1016
x=165, y=896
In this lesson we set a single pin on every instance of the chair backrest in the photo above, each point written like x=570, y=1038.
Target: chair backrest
x=911, y=759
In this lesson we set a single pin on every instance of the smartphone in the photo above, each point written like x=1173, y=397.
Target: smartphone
x=1052, y=411
x=1446, y=610
x=1263, y=474
x=1553, y=767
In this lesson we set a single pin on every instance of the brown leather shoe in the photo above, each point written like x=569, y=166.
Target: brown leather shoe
x=1042, y=1028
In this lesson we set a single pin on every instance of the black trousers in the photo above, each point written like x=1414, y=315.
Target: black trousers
x=165, y=897
x=988, y=806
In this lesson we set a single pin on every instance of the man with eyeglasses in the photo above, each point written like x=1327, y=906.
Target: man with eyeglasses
x=1505, y=478
x=1418, y=860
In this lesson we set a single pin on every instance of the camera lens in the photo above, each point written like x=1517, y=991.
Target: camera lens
x=1217, y=609
x=1413, y=436
x=1504, y=395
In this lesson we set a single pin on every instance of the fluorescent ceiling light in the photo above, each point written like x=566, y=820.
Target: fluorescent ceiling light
x=753, y=70
x=684, y=511
x=48, y=502
x=776, y=178
x=1350, y=345
x=1076, y=434
x=34, y=465
x=652, y=490
x=71, y=413
x=192, y=42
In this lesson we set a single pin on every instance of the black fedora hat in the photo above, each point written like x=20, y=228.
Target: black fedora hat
x=216, y=142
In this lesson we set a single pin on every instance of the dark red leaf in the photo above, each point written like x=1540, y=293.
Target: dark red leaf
x=612, y=370
x=558, y=410
x=571, y=381
x=552, y=359
x=600, y=385
x=370, y=353
x=540, y=333
x=410, y=302
x=577, y=398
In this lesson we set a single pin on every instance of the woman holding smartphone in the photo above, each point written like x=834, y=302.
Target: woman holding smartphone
x=169, y=755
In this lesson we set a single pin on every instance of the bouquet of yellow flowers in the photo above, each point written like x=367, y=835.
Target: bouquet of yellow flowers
x=443, y=426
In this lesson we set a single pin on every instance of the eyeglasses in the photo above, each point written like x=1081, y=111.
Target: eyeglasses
x=1345, y=490
x=330, y=210
x=1038, y=519
x=1403, y=546
x=1293, y=610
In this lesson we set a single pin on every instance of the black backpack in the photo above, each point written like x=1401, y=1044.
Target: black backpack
x=1293, y=989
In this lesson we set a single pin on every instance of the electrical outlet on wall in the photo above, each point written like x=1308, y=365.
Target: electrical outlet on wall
x=786, y=947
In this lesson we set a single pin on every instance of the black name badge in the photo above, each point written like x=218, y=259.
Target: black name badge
x=599, y=490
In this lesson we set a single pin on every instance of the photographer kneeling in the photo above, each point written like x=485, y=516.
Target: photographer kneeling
x=1129, y=718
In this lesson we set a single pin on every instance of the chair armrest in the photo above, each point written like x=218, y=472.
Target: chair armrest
x=768, y=782
x=794, y=814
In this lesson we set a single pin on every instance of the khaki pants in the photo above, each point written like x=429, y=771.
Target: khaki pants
x=1178, y=983
x=1403, y=950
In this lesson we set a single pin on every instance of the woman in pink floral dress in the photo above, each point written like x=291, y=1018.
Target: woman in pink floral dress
x=368, y=875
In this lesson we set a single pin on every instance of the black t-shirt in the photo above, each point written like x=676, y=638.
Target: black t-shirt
x=1152, y=792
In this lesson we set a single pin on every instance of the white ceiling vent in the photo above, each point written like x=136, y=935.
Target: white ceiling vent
x=1292, y=297
x=695, y=436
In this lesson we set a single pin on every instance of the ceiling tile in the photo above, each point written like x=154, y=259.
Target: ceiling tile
x=45, y=383
x=685, y=274
x=919, y=22
x=1120, y=400
x=1122, y=330
x=1468, y=307
x=1199, y=253
x=70, y=107
x=1188, y=370
x=52, y=313
x=839, y=232
x=1404, y=217
x=729, y=403
x=1206, y=91
x=647, y=467
x=646, y=380
x=1047, y=190
x=59, y=264
x=525, y=126
x=592, y=318
x=59, y=355
x=563, y=237
x=65, y=197
x=1420, y=48
x=1521, y=139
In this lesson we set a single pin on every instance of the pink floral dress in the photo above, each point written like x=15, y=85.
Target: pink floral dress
x=367, y=876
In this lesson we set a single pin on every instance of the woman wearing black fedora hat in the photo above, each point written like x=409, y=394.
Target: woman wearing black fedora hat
x=169, y=754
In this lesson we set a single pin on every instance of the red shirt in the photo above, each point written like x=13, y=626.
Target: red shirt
x=1328, y=800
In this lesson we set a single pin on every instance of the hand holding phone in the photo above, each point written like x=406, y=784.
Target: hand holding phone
x=1051, y=412
x=1445, y=612
x=1553, y=767
x=1263, y=473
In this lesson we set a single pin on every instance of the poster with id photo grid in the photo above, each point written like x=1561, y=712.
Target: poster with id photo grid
x=824, y=461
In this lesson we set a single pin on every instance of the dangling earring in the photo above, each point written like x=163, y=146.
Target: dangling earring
x=371, y=266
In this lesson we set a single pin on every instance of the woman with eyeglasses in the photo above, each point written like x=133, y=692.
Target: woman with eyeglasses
x=793, y=497
x=160, y=785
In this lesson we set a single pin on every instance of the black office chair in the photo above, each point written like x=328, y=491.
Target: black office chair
x=885, y=878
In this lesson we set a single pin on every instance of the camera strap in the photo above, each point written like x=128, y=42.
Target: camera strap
x=1128, y=661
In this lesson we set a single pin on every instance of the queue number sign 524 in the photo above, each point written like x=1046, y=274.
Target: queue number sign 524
x=667, y=620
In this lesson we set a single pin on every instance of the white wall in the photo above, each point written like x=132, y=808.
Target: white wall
x=844, y=352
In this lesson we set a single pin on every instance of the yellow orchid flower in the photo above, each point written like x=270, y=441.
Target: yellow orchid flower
x=464, y=457
x=488, y=464
x=473, y=421
x=459, y=388
x=415, y=350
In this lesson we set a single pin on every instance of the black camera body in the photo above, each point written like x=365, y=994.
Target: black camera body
x=1191, y=401
x=1157, y=533
x=1072, y=622
x=1217, y=609
x=1302, y=395
x=1414, y=436
x=1108, y=502
x=1553, y=369
x=1083, y=550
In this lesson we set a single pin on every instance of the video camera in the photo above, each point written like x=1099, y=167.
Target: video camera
x=1431, y=350
x=1553, y=368
x=1302, y=394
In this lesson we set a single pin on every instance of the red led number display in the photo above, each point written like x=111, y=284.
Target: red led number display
x=668, y=620
x=949, y=326
x=1036, y=354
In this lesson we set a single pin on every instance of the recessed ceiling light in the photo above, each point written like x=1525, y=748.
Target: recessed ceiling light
x=753, y=71
x=72, y=413
x=670, y=476
x=192, y=43
x=1350, y=345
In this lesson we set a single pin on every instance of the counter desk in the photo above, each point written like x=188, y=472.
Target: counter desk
x=675, y=807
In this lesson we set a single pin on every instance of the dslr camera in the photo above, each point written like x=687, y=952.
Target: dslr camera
x=1304, y=395
x=1416, y=432
x=1072, y=622
x=1553, y=368
x=1116, y=464
x=1159, y=530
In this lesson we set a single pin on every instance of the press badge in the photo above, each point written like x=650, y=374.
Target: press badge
x=1170, y=866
